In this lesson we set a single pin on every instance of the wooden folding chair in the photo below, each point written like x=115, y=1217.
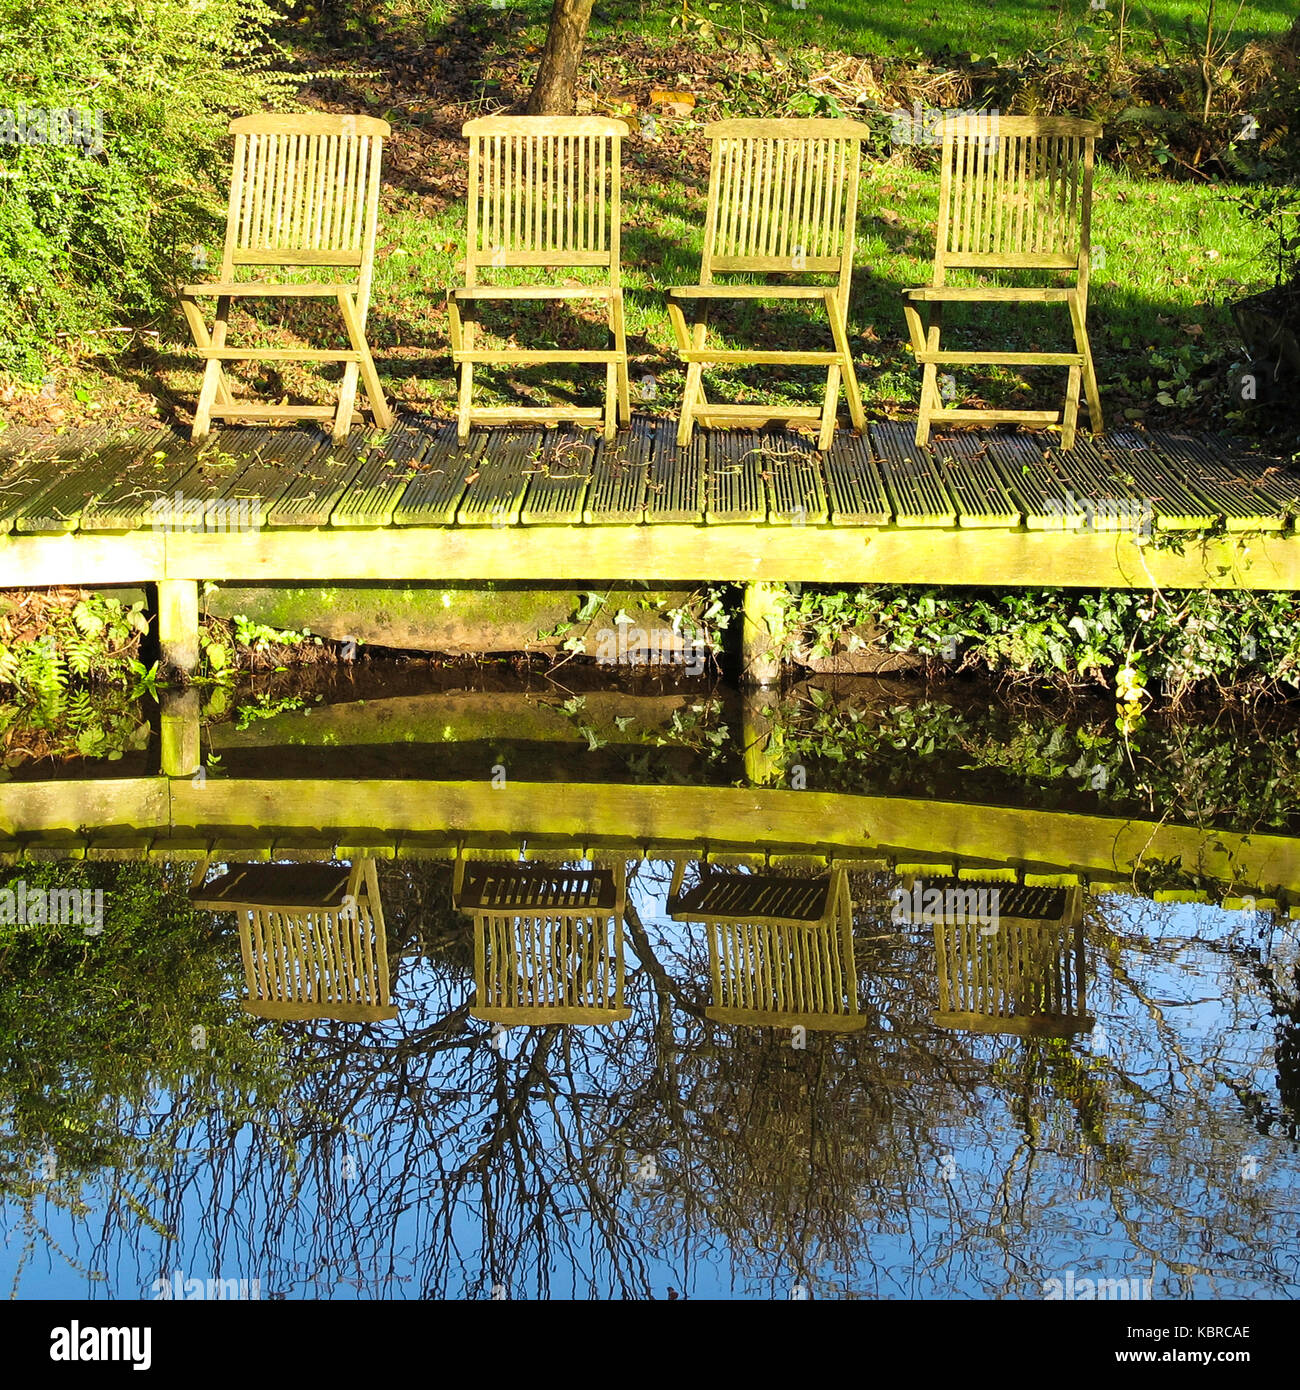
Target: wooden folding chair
x=783, y=199
x=1015, y=193
x=304, y=194
x=311, y=935
x=543, y=192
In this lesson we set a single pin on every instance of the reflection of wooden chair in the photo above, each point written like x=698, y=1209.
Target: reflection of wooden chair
x=312, y=937
x=780, y=949
x=548, y=942
x=1023, y=979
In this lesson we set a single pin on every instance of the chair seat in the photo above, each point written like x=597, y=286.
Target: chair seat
x=236, y=288
x=276, y=886
x=993, y=292
x=534, y=292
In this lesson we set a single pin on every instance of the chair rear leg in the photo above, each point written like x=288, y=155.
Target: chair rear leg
x=347, y=400
x=827, y=435
x=1070, y=415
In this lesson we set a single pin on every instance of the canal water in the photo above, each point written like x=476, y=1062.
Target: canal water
x=464, y=985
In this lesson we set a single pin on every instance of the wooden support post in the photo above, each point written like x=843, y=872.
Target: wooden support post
x=178, y=625
x=180, y=733
x=764, y=761
x=762, y=630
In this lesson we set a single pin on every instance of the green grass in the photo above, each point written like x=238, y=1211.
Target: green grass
x=887, y=26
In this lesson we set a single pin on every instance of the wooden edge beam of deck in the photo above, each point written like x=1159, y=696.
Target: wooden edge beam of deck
x=183, y=816
x=993, y=556
x=997, y=557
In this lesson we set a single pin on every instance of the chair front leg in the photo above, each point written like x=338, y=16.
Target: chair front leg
x=930, y=402
x=1070, y=415
x=620, y=346
x=826, y=437
x=839, y=331
x=693, y=395
x=463, y=340
x=383, y=416
x=199, y=332
x=211, y=374
x=1093, y=395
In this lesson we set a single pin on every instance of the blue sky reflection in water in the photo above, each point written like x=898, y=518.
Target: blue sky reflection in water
x=666, y=1155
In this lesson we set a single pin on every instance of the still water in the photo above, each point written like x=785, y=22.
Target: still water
x=464, y=987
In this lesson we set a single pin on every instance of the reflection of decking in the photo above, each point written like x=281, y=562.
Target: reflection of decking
x=326, y=818
x=994, y=508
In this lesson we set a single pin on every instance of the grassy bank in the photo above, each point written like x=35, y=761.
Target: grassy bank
x=1175, y=243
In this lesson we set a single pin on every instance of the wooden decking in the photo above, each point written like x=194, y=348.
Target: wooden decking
x=411, y=504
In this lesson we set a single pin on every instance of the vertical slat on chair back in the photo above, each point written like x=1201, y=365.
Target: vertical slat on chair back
x=305, y=191
x=782, y=196
x=1015, y=191
x=544, y=191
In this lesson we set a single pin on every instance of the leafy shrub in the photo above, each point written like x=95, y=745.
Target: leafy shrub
x=89, y=240
x=1116, y=638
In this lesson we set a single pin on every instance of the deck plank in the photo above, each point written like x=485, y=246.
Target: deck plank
x=1176, y=506
x=434, y=493
x=982, y=499
x=376, y=488
x=735, y=482
x=320, y=480
x=675, y=491
x=560, y=481
x=149, y=464
x=198, y=500
x=1224, y=484
x=913, y=481
x=617, y=495
x=1053, y=489
x=99, y=455
x=857, y=491
x=792, y=472
x=495, y=489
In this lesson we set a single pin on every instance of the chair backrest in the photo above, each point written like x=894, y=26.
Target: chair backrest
x=543, y=191
x=1015, y=192
x=783, y=197
x=771, y=970
x=540, y=967
x=1024, y=977
x=305, y=192
x=548, y=941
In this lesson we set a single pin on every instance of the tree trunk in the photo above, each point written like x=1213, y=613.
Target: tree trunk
x=552, y=93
